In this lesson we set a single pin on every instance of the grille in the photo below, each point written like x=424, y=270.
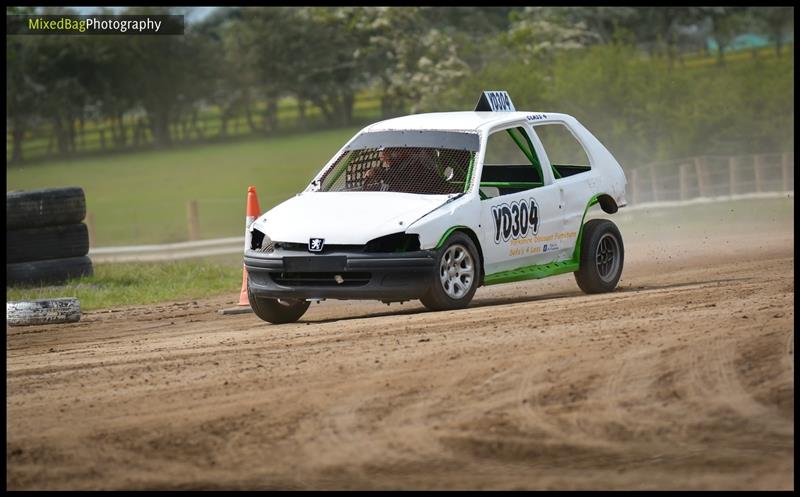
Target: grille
x=395, y=242
x=326, y=249
x=349, y=279
x=421, y=170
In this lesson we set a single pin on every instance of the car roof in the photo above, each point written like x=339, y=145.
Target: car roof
x=451, y=121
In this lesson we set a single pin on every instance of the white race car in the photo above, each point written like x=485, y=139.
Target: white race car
x=432, y=206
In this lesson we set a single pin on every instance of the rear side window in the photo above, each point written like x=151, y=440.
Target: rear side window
x=567, y=155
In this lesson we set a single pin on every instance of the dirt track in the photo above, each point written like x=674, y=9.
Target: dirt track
x=681, y=379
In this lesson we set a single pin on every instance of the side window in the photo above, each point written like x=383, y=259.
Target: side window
x=502, y=148
x=567, y=155
x=510, y=164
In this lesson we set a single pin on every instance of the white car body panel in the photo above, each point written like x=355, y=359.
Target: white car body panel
x=345, y=218
x=463, y=211
x=357, y=217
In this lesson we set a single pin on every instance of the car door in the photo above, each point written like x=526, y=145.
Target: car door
x=563, y=154
x=520, y=205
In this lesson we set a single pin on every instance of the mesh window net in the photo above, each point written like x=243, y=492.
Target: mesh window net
x=395, y=163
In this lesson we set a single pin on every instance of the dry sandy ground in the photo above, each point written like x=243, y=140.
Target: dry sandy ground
x=681, y=379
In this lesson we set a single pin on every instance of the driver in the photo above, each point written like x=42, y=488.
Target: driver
x=407, y=170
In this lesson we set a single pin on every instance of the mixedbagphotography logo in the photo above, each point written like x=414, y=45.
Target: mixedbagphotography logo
x=94, y=24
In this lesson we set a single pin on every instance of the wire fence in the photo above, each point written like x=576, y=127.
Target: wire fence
x=710, y=176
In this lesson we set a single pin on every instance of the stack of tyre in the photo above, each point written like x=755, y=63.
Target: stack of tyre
x=46, y=240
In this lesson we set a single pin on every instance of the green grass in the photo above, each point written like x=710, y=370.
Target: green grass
x=141, y=198
x=114, y=285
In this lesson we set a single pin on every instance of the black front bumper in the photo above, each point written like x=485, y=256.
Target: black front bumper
x=378, y=276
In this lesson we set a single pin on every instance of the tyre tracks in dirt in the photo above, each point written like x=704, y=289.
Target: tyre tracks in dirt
x=663, y=384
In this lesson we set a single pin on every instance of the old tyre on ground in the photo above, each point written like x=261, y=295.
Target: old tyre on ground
x=277, y=311
x=47, y=242
x=602, y=257
x=45, y=207
x=457, y=274
x=44, y=311
x=53, y=271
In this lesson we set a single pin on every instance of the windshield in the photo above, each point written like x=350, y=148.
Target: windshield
x=432, y=163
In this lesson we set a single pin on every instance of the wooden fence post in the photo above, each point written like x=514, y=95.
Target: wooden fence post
x=684, y=180
x=759, y=164
x=634, y=186
x=733, y=181
x=700, y=168
x=194, y=225
x=785, y=171
x=653, y=183
x=90, y=228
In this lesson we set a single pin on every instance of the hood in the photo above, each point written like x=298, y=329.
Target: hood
x=345, y=218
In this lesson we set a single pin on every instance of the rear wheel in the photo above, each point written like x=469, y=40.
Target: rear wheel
x=602, y=257
x=278, y=311
x=458, y=271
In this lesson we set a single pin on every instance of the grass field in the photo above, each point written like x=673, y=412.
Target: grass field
x=114, y=285
x=142, y=198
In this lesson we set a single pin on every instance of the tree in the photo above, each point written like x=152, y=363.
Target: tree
x=335, y=67
x=231, y=81
x=267, y=46
x=410, y=57
x=170, y=74
x=776, y=21
x=22, y=91
x=726, y=23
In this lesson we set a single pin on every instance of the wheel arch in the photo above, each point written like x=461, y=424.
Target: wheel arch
x=607, y=203
x=474, y=237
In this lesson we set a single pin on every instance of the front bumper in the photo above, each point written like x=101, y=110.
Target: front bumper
x=342, y=275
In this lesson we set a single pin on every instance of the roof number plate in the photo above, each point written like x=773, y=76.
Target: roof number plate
x=495, y=101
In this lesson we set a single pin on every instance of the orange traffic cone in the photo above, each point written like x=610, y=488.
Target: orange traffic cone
x=253, y=211
x=243, y=300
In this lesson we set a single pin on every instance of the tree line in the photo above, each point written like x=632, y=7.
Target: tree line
x=242, y=60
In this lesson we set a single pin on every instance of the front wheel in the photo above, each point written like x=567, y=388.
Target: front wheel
x=278, y=311
x=602, y=256
x=458, y=272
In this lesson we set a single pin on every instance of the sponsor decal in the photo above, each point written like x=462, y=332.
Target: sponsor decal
x=549, y=247
x=533, y=245
x=315, y=244
x=515, y=220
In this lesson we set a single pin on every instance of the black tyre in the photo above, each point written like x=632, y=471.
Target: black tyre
x=602, y=257
x=457, y=274
x=51, y=271
x=48, y=242
x=45, y=207
x=277, y=311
